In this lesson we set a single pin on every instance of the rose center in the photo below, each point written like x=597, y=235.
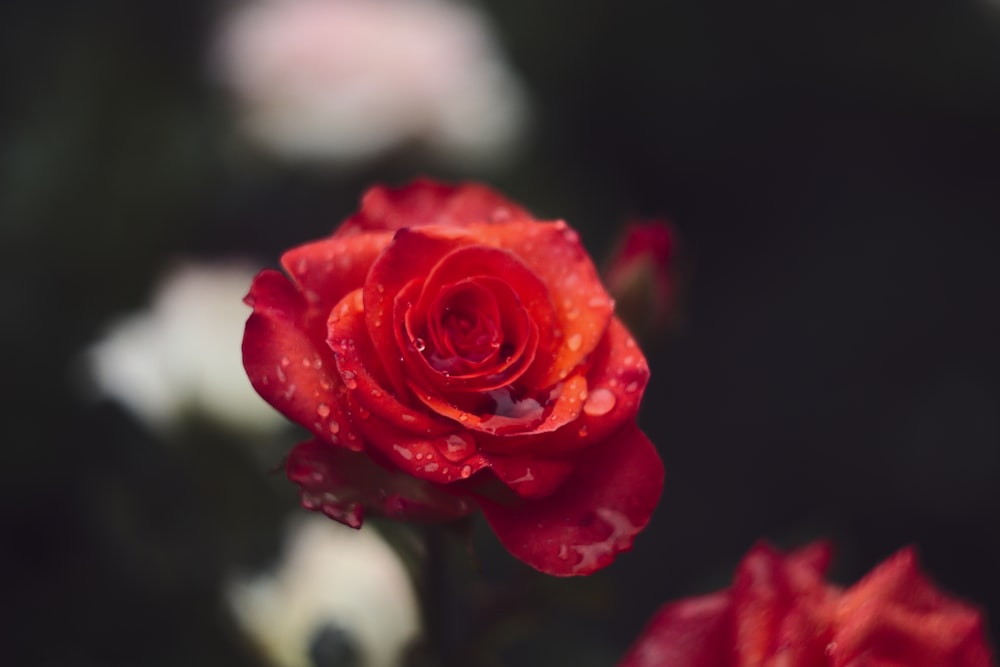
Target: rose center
x=467, y=323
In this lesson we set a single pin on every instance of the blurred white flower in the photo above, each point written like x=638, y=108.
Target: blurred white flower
x=183, y=355
x=336, y=591
x=350, y=80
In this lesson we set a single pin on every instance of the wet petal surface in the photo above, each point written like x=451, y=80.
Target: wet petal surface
x=594, y=514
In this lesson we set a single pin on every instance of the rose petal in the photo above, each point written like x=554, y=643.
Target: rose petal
x=610, y=398
x=327, y=270
x=530, y=477
x=343, y=484
x=895, y=615
x=408, y=438
x=493, y=373
x=426, y=202
x=593, y=516
x=689, y=633
x=360, y=368
x=782, y=605
x=410, y=254
x=288, y=366
x=553, y=252
x=490, y=264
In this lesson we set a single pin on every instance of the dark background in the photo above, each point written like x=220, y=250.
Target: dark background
x=832, y=170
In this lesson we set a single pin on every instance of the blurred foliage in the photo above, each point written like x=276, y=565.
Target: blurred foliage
x=833, y=169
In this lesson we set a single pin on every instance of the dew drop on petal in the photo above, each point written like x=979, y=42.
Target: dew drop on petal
x=600, y=402
x=583, y=431
x=349, y=380
x=419, y=344
x=364, y=414
x=574, y=342
x=323, y=410
x=466, y=471
x=631, y=386
x=334, y=426
x=285, y=361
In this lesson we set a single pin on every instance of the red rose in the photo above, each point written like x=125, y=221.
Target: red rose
x=780, y=612
x=449, y=351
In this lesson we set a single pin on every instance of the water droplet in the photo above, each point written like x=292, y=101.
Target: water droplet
x=285, y=361
x=403, y=451
x=377, y=322
x=431, y=467
x=409, y=419
x=364, y=414
x=323, y=410
x=458, y=447
x=600, y=402
x=380, y=288
x=334, y=426
x=419, y=344
x=466, y=471
x=349, y=379
x=629, y=360
x=583, y=431
x=376, y=393
x=631, y=386
x=463, y=417
x=574, y=342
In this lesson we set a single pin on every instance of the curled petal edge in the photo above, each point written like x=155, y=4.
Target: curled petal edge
x=593, y=516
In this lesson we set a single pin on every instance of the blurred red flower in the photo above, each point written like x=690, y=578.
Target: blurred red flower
x=448, y=350
x=780, y=612
x=642, y=275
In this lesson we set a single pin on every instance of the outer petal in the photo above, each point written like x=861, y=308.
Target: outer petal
x=290, y=367
x=896, y=616
x=343, y=484
x=694, y=632
x=327, y=270
x=594, y=515
x=426, y=202
x=782, y=606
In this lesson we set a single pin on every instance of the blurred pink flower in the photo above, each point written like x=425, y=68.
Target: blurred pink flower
x=351, y=80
